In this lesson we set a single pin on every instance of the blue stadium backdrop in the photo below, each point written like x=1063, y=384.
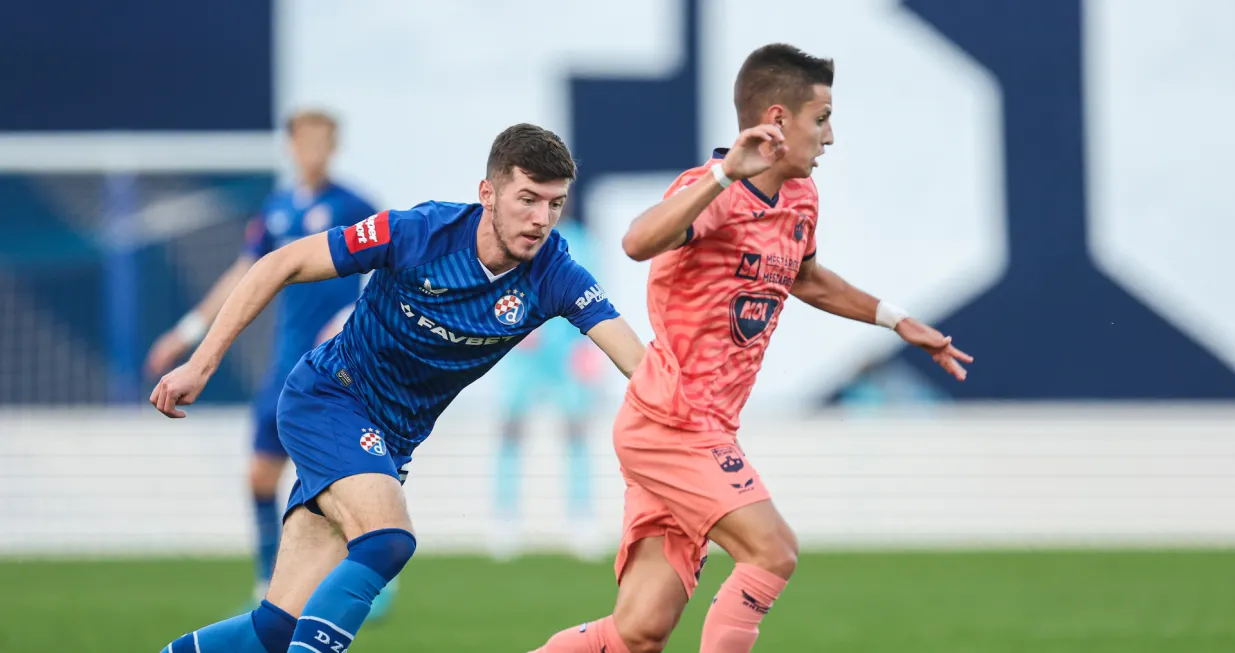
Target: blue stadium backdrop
x=1050, y=324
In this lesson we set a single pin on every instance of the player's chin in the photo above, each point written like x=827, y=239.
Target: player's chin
x=527, y=248
x=802, y=169
x=802, y=172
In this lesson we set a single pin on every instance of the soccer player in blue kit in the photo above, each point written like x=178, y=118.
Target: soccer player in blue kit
x=306, y=316
x=454, y=288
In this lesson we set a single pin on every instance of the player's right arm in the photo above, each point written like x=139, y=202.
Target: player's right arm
x=667, y=225
x=376, y=242
x=302, y=261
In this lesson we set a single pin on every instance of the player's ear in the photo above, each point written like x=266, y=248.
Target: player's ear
x=487, y=194
x=776, y=115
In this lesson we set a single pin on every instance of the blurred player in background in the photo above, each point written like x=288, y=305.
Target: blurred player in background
x=307, y=315
x=557, y=367
x=455, y=287
x=724, y=260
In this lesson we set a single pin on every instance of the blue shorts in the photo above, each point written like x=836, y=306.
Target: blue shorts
x=328, y=434
x=266, y=418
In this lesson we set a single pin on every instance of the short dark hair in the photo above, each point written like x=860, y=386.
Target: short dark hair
x=778, y=74
x=535, y=150
x=305, y=116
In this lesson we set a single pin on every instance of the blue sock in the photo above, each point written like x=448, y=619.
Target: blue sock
x=268, y=629
x=268, y=526
x=508, y=478
x=341, y=603
x=579, y=504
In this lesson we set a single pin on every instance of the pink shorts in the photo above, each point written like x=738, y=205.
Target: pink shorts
x=678, y=485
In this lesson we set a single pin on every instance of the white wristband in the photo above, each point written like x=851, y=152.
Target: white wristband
x=192, y=328
x=718, y=171
x=889, y=315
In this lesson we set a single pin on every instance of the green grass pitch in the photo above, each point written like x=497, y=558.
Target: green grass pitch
x=981, y=602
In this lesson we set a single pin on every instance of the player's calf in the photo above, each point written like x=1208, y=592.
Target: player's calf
x=266, y=629
x=309, y=550
x=650, y=601
x=765, y=551
x=370, y=510
x=650, y=598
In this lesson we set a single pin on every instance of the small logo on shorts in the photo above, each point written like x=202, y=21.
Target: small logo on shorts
x=699, y=571
x=729, y=458
x=343, y=377
x=371, y=441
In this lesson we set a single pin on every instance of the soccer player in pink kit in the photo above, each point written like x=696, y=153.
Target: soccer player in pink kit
x=729, y=243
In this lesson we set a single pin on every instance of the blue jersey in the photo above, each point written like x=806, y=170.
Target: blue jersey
x=433, y=319
x=303, y=310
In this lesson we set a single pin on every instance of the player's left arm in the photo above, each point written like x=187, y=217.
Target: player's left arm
x=573, y=293
x=829, y=292
x=619, y=342
x=302, y=261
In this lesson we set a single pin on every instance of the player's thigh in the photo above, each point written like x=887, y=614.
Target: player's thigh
x=310, y=548
x=364, y=503
x=645, y=517
x=758, y=534
x=650, y=598
x=344, y=469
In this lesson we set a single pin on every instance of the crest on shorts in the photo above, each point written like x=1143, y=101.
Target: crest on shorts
x=371, y=441
x=510, y=309
x=729, y=458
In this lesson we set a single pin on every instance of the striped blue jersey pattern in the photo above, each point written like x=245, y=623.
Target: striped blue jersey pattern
x=433, y=319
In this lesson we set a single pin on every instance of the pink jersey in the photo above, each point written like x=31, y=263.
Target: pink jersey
x=715, y=301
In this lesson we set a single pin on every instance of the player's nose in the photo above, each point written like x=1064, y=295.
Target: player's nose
x=540, y=217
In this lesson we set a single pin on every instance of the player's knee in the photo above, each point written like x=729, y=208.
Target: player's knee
x=264, y=479
x=644, y=621
x=643, y=630
x=777, y=554
x=385, y=551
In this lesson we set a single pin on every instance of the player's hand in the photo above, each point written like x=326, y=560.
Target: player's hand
x=937, y=345
x=180, y=387
x=168, y=349
x=755, y=150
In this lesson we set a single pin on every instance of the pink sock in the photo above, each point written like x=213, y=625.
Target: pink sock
x=594, y=637
x=732, y=625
